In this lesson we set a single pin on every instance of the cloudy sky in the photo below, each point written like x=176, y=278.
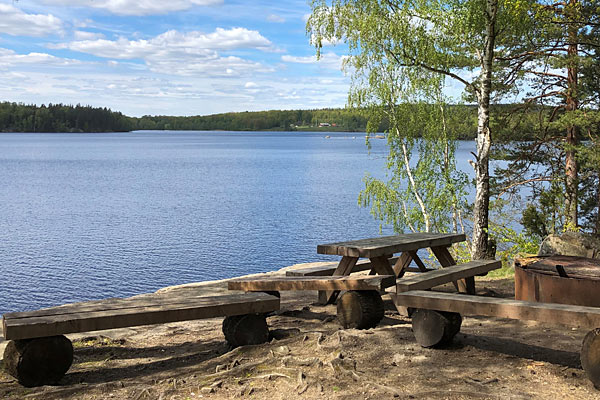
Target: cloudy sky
x=169, y=57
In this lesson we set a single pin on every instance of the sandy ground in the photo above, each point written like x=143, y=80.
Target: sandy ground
x=310, y=356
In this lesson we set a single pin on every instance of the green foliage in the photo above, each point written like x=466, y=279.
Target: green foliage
x=426, y=193
x=61, y=118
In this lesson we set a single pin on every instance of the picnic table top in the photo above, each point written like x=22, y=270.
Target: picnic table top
x=388, y=245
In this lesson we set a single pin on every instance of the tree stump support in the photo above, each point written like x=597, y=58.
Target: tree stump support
x=247, y=329
x=590, y=356
x=39, y=361
x=435, y=328
x=360, y=309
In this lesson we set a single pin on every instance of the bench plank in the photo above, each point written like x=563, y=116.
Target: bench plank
x=564, y=314
x=367, y=282
x=445, y=275
x=106, y=304
x=329, y=268
x=387, y=245
x=21, y=326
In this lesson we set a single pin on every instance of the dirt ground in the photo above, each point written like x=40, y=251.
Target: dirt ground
x=310, y=356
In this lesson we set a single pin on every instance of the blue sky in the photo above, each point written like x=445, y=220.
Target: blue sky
x=166, y=57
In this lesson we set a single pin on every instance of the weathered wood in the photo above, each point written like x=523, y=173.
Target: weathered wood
x=40, y=361
x=445, y=259
x=564, y=314
x=441, y=276
x=360, y=310
x=590, y=356
x=56, y=321
x=381, y=265
x=345, y=267
x=401, y=265
x=329, y=268
x=385, y=245
x=435, y=328
x=417, y=260
x=281, y=283
x=244, y=330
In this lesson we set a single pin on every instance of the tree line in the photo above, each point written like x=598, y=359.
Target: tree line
x=17, y=117
x=461, y=119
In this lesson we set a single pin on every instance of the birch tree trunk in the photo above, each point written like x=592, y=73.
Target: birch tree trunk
x=484, y=140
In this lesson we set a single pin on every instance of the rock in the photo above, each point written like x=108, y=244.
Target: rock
x=571, y=244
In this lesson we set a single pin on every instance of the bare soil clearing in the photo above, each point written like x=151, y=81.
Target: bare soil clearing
x=310, y=356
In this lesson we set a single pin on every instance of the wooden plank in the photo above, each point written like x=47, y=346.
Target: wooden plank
x=381, y=265
x=440, y=276
x=445, y=259
x=564, y=314
x=274, y=283
x=418, y=261
x=385, y=245
x=329, y=269
x=107, y=305
x=401, y=265
x=345, y=267
x=22, y=327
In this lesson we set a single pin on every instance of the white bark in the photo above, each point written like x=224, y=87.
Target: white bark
x=484, y=140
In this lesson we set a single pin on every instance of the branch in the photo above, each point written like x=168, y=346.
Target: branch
x=507, y=188
x=429, y=68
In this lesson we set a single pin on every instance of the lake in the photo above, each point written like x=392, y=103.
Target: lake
x=91, y=216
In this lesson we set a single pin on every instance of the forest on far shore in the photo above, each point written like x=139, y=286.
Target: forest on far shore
x=514, y=121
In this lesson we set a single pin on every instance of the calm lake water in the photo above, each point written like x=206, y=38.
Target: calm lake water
x=90, y=216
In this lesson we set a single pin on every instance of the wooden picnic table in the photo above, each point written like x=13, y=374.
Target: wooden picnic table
x=381, y=249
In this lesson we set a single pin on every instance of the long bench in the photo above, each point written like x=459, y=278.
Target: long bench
x=446, y=275
x=437, y=319
x=40, y=354
x=329, y=268
x=359, y=307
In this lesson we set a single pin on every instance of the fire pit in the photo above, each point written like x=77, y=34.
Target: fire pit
x=558, y=279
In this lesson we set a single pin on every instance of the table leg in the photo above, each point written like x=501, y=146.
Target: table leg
x=466, y=285
x=401, y=264
x=344, y=268
x=381, y=265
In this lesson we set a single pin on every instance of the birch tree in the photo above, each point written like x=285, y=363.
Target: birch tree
x=414, y=48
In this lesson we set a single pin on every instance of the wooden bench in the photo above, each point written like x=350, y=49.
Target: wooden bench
x=329, y=268
x=441, y=276
x=281, y=283
x=359, y=307
x=39, y=354
x=437, y=319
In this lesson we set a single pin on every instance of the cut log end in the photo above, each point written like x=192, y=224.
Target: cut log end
x=40, y=361
x=360, y=309
x=435, y=328
x=248, y=329
x=590, y=356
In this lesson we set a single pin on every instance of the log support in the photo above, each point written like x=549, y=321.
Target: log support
x=435, y=328
x=39, y=361
x=247, y=329
x=360, y=309
x=590, y=356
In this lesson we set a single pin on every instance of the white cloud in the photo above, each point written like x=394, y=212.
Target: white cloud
x=9, y=58
x=172, y=43
x=328, y=60
x=17, y=23
x=275, y=18
x=85, y=35
x=179, y=53
x=250, y=85
x=136, y=7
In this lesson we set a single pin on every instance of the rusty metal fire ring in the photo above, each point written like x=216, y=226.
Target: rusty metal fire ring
x=558, y=279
